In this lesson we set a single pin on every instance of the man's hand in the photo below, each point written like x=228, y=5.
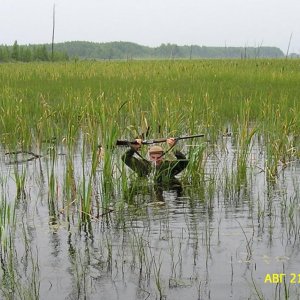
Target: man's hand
x=171, y=142
x=137, y=147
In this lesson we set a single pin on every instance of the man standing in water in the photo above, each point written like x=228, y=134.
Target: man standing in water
x=164, y=171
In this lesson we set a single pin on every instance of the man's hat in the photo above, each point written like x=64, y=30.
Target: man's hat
x=155, y=149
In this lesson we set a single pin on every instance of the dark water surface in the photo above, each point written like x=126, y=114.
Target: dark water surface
x=225, y=242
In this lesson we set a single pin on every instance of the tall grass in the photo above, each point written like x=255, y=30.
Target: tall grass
x=99, y=102
x=67, y=112
x=39, y=100
x=7, y=226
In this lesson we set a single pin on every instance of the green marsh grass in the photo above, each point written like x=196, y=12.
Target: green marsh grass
x=104, y=101
x=13, y=284
x=65, y=111
x=177, y=96
x=20, y=181
x=7, y=225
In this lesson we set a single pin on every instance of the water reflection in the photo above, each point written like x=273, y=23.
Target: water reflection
x=141, y=191
x=216, y=240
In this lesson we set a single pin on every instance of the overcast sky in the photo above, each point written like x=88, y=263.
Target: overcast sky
x=153, y=22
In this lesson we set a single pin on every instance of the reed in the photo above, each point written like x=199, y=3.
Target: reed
x=158, y=280
x=52, y=186
x=7, y=226
x=20, y=182
x=244, y=145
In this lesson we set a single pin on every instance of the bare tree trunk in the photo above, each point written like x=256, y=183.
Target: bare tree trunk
x=53, y=30
x=288, y=49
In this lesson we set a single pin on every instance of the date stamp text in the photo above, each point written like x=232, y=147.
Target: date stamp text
x=292, y=278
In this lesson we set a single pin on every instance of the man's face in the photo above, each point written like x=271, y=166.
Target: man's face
x=156, y=158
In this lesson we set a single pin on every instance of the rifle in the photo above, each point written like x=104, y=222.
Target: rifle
x=156, y=141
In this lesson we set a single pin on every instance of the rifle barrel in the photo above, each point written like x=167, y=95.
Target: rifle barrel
x=189, y=136
x=155, y=141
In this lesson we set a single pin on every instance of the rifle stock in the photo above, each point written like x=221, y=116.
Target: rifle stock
x=156, y=141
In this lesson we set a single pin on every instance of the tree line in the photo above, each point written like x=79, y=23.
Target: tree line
x=126, y=50
x=30, y=53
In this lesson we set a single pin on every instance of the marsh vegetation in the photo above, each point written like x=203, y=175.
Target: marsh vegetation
x=76, y=223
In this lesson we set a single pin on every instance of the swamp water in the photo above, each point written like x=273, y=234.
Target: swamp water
x=230, y=237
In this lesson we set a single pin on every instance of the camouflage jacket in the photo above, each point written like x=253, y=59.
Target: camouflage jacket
x=165, y=172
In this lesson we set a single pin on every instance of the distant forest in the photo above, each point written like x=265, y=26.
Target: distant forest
x=27, y=53
x=126, y=50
